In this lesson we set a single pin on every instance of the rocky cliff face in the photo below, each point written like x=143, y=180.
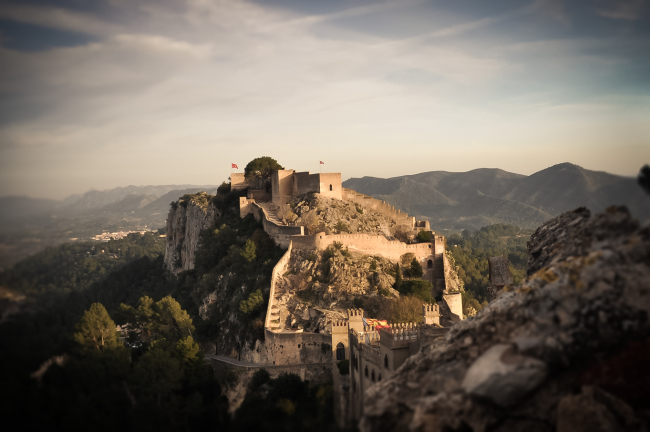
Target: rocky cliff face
x=568, y=350
x=188, y=216
x=319, y=287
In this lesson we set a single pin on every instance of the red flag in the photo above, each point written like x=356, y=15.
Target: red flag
x=322, y=163
x=235, y=166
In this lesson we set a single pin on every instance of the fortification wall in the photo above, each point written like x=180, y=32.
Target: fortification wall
x=365, y=243
x=298, y=348
x=315, y=373
x=279, y=269
x=378, y=206
x=280, y=233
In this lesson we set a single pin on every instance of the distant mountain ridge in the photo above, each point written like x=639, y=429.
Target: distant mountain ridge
x=27, y=225
x=473, y=199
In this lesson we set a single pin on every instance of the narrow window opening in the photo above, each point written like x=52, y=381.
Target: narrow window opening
x=340, y=351
x=331, y=188
x=430, y=264
x=386, y=361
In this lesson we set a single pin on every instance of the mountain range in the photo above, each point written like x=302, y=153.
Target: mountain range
x=473, y=199
x=28, y=225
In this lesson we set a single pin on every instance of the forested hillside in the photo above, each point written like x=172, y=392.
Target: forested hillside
x=77, y=293
x=470, y=200
x=471, y=251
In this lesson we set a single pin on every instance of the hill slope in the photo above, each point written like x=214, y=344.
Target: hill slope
x=481, y=197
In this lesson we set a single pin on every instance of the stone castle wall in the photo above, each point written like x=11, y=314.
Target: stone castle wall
x=280, y=233
x=378, y=206
x=365, y=243
x=298, y=347
x=316, y=373
x=279, y=269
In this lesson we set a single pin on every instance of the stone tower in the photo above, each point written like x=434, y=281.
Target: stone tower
x=431, y=314
x=355, y=319
x=340, y=349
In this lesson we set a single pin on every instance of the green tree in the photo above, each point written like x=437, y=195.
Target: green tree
x=187, y=349
x=96, y=330
x=416, y=269
x=162, y=319
x=417, y=288
x=261, y=167
x=252, y=303
x=248, y=253
x=423, y=236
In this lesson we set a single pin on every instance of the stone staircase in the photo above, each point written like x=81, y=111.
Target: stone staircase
x=279, y=311
x=271, y=213
x=440, y=273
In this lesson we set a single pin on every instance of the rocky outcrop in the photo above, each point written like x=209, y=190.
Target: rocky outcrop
x=318, y=287
x=567, y=350
x=187, y=217
x=335, y=216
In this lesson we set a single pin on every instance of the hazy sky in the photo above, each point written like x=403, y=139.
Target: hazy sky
x=106, y=93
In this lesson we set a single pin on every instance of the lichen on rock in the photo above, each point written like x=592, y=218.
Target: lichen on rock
x=581, y=318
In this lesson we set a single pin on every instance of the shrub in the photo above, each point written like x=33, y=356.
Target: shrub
x=373, y=265
x=423, y=236
x=417, y=288
x=341, y=227
x=359, y=209
x=402, y=310
x=416, y=269
x=344, y=366
x=252, y=303
x=259, y=378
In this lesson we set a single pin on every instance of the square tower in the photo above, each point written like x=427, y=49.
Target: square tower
x=340, y=341
x=430, y=314
x=355, y=319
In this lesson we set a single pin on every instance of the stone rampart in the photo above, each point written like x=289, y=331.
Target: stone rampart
x=365, y=243
x=279, y=269
x=280, y=233
x=298, y=348
x=378, y=206
x=315, y=373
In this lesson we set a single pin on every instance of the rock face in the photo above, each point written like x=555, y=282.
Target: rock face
x=187, y=218
x=567, y=350
x=319, y=288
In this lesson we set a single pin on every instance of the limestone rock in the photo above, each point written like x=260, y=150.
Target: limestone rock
x=584, y=307
x=187, y=218
x=503, y=376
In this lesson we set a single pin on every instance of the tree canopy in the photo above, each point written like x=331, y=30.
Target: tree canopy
x=261, y=167
x=96, y=330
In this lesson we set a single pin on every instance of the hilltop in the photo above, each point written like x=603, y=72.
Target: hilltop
x=473, y=199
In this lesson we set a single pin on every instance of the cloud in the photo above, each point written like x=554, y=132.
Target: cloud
x=624, y=9
x=59, y=18
x=191, y=83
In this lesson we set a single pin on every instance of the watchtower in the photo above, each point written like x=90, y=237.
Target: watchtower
x=431, y=314
x=340, y=341
x=355, y=319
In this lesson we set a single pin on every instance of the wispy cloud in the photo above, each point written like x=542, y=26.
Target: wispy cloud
x=190, y=83
x=59, y=18
x=624, y=9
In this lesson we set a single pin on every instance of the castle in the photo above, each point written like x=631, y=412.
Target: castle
x=373, y=352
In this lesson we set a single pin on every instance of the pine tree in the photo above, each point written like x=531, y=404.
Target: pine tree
x=96, y=330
